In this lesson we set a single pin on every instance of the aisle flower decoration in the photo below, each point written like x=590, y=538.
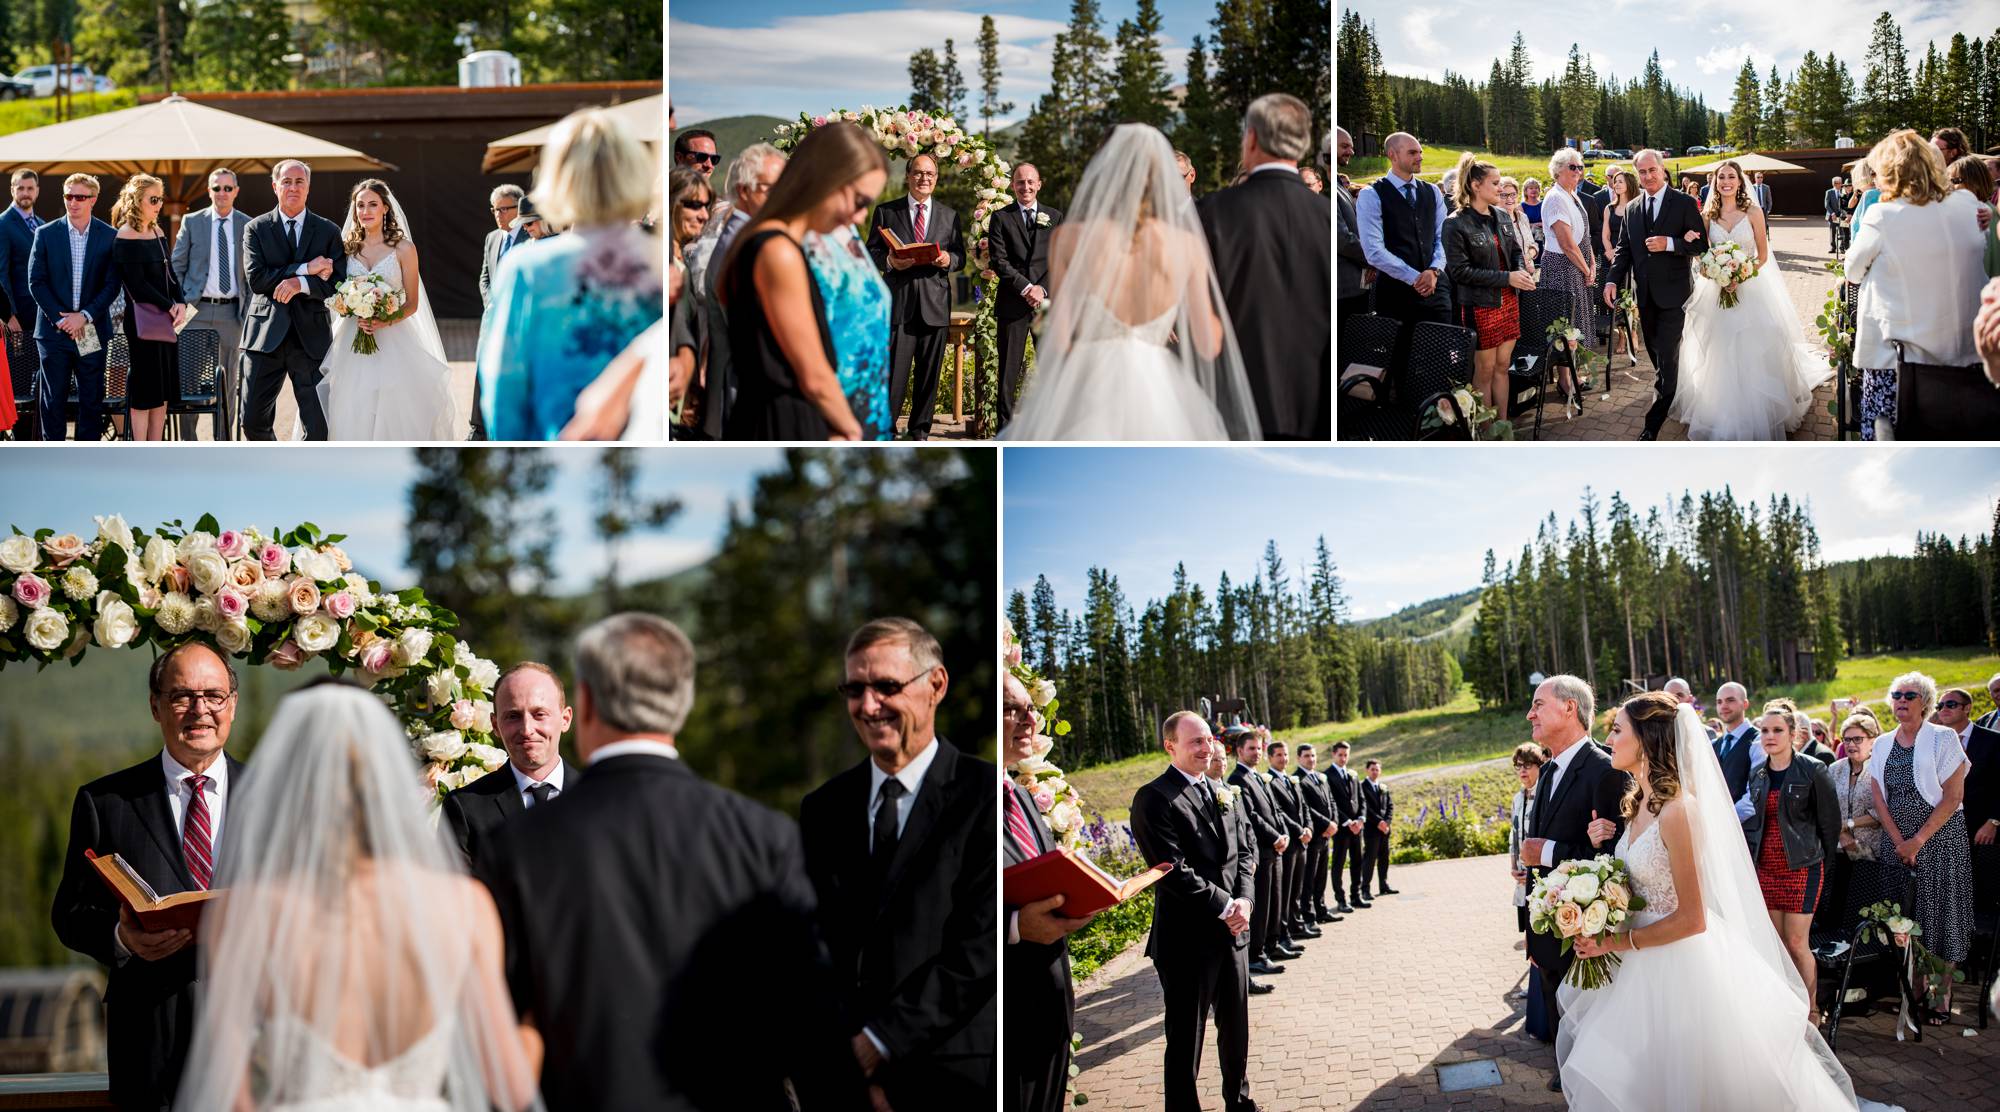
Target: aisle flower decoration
x=1055, y=798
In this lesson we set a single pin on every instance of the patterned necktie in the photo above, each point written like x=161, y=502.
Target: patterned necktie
x=223, y=280
x=197, y=847
x=541, y=793
x=34, y=221
x=920, y=222
x=1410, y=193
x=1017, y=823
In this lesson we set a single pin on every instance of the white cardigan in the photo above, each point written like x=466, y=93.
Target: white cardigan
x=1937, y=755
x=1920, y=268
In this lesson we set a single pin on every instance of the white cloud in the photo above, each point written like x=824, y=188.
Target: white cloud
x=1419, y=28
x=1729, y=59
x=1669, y=64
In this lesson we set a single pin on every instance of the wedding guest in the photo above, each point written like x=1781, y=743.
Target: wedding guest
x=166, y=817
x=1735, y=739
x=17, y=238
x=504, y=203
x=1851, y=887
x=1991, y=719
x=921, y=314
x=146, y=272
x=645, y=908
x=1448, y=185
x=1524, y=229
x=1528, y=760
x=910, y=923
x=209, y=264
x=1186, y=167
x=1950, y=144
x=1312, y=179
x=1293, y=927
x=1792, y=831
x=1486, y=267
x=858, y=304
x=1682, y=692
x=1260, y=810
x=1986, y=331
x=1821, y=735
x=1622, y=188
x=1954, y=712
x=751, y=178
x=694, y=149
x=1919, y=782
x=787, y=387
x=689, y=200
x=1402, y=234
x=1356, y=276
x=1835, y=206
x=1531, y=207
x=1350, y=814
x=73, y=280
x=1917, y=258
x=1761, y=193
x=1569, y=265
x=530, y=715
x=564, y=308
x=1982, y=801
x=1381, y=805
x=1319, y=801
x=1969, y=174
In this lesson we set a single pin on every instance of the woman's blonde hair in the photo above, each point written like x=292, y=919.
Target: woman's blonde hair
x=126, y=211
x=1863, y=719
x=1532, y=183
x=1863, y=177
x=1471, y=170
x=1745, y=200
x=593, y=173
x=1908, y=168
x=682, y=185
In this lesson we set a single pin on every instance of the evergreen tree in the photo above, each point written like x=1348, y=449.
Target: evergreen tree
x=1142, y=74
x=1930, y=102
x=1745, y=108
x=990, y=104
x=1194, y=133
x=1960, y=107
x=1073, y=117
x=951, y=85
x=621, y=511
x=240, y=45
x=1351, y=74
x=926, y=82
x=482, y=543
x=1661, y=127
x=1886, y=93
x=1579, y=98
x=1775, y=129
x=1049, y=629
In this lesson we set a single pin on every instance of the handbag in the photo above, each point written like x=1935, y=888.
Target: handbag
x=156, y=325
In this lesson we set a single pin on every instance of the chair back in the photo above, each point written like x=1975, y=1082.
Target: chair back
x=1944, y=403
x=1368, y=339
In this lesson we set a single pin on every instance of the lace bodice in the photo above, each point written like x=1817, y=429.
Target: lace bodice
x=390, y=267
x=1652, y=874
x=1743, y=235
x=413, y=1079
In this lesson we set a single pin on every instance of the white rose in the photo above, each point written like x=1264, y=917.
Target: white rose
x=1582, y=888
x=233, y=637
x=175, y=613
x=451, y=780
x=489, y=757
x=445, y=745
x=158, y=558
x=412, y=646
x=113, y=530
x=316, y=633
x=439, y=687
x=1594, y=917
x=193, y=543
x=484, y=675
x=116, y=623
x=47, y=629
x=271, y=602
x=318, y=565
x=20, y=554
x=1044, y=692
x=208, y=571
x=79, y=582
x=9, y=613
x=482, y=716
x=205, y=617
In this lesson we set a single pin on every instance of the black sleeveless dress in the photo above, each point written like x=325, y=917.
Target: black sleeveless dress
x=142, y=267
x=769, y=404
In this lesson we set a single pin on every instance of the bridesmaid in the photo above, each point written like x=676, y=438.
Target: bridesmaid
x=140, y=254
x=1793, y=831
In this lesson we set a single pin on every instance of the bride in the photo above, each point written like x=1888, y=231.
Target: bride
x=1703, y=979
x=1744, y=374
x=1137, y=343
x=403, y=390
x=351, y=965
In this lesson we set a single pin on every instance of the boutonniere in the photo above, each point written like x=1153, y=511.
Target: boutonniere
x=1041, y=220
x=1226, y=798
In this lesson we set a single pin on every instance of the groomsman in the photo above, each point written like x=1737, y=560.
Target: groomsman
x=1291, y=806
x=1736, y=746
x=74, y=283
x=1381, y=812
x=1350, y=813
x=531, y=715
x=1201, y=915
x=1019, y=234
x=165, y=817
x=1035, y=982
x=900, y=850
x=17, y=240
x=919, y=293
x=1319, y=800
x=208, y=260
x=1260, y=812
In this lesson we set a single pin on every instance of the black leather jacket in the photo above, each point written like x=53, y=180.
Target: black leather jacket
x=1808, y=812
x=1478, y=270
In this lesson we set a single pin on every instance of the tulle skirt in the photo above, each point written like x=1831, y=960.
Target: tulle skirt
x=1745, y=375
x=399, y=393
x=1115, y=389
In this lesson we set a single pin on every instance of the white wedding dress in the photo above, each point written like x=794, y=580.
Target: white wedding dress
x=1745, y=375
x=412, y=1081
x=402, y=391
x=1121, y=384
x=1716, y=1021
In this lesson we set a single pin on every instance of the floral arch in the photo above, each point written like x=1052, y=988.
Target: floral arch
x=279, y=598
x=904, y=133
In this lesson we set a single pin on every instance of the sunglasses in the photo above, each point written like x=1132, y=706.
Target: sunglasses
x=887, y=689
x=693, y=205
x=1953, y=704
x=79, y=198
x=222, y=189
x=698, y=156
x=1906, y=696
x=154, y=200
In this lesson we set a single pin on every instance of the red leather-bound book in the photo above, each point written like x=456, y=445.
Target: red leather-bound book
x=1087, y=889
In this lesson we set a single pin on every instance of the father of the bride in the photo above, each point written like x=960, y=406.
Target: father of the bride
x=1577, y=786
x=1201, y=914
x=919, y=293
x=295, y=260
x=164, y=816
x=1663, y=234
x=1020, y=236
x=531, y=715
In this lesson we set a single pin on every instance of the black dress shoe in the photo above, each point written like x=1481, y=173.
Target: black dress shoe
x=1345, y=909
x=1312, y=931
x=1322, y=915
x=1388, y=891
x=1288, y=951
x=1364, y=896
x=1648, y=434
x=1363, y=902
x=1266, y=968
x=1259, y=990
x=1555, y=1083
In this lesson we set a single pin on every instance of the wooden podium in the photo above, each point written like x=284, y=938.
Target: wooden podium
x=961, y=341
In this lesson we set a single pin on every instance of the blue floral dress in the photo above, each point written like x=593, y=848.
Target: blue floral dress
x=857, y=316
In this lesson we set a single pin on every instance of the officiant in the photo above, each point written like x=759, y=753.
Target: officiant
x=165, y=817
x=531, y=715
x=920, y=293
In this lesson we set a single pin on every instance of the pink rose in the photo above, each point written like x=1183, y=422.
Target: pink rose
x=1044, y=798
x=1569, y=920
x=232, y=545
x=32, y=591
x=64, y=549
x=340, y=605
x=232, y=603
x=287, y=656
x=377, y=657
x=275, y=559
x=178, y=578
x=819, y=121
x=303, y=594
x=339, y=555
x=463, y=714
x=246, y=574
x=1013, y=657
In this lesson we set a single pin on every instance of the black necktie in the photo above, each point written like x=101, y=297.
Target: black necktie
x=542, y=793
x=292, y=232
x=883, y=846
x=223, y=281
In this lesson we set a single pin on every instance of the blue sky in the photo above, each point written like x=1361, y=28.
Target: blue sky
x=1702, y=43
x=781, y=57
x=1409, y=524
x=363, y=492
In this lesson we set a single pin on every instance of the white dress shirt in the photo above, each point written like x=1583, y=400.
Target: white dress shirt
x=1746, y=806
x=179, y=795
x=213, y=287
x=1553, y=773
x=912, y=779
x=631, y=747
x=523, y=781
x=1279, y=165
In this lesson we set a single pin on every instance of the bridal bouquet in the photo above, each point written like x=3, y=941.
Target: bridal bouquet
x=1730, y=265
x=1590, y=898
x=367, y=297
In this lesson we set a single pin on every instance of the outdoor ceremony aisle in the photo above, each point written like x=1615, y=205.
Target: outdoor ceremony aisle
x=1420, y=980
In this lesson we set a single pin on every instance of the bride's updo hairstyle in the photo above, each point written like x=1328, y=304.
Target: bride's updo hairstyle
x=392, y=232
x=1652, y=716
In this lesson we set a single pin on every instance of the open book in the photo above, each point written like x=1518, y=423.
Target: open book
x=915, y=252
x=180, y=911
x=1086, y=888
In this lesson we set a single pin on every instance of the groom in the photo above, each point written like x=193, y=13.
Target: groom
x=295, y=260
x=1020, y=236
x=1577, y=785
x=1657, y=249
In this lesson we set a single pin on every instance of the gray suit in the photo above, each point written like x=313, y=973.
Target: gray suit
x=1352, y=261
x=1763, y=197
x=194, y=252
x=489, y=264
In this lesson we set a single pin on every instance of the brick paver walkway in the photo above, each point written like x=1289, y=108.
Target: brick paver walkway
x=1419, y=980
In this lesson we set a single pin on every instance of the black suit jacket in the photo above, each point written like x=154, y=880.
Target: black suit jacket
x=16, y=241
x=1020, y=256
x=1589, y=785
x=1271, y=241
x=1291, y=805
x=1213, y=860
x=1260, y=810
x=660, y=932
x=1041, y=1003
x=476, y=809
x=1345, y=787
x=148, y=1005
x=920, y=293
x=1381, y=808
x=915, y=955
x=270, y=259
x=1982, y=780
x=1319, y=800
x=1665, y=277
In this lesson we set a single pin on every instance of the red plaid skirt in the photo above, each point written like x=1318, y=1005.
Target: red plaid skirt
x=1499, y=324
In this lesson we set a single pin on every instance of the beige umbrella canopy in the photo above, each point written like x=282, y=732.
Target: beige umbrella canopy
x=1751, y=164
x=517, y=154
x=176, y=140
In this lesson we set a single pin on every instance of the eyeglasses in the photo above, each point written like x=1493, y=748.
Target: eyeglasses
x=79, y=198
x=154, y=200
x=1906, y=696
x=700, y=156
x=924, y=175
x=1854, y=739
x=1952, y=704
x=1017, y=714
x=505, y=208
x=887, y=689
x=180, y=698
x=693, y=205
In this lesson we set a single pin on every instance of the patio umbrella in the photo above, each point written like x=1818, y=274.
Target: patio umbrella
x=1751, y=164
x=517, y=154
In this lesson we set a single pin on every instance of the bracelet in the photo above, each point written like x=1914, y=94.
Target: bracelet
x=1633, y=936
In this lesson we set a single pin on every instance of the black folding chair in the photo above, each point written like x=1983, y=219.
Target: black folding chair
x=1839, y=951
x=1529, y=375
x=1936, y=402
x=201, y=384
x=1440, y=363
x=23, y=361
x=1847, y=386
x=1367, y=410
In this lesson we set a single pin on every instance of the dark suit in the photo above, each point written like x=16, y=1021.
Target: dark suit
x=477, y=809
x=1201, y=965
x=654, y=923
x=288, y=341
x=1291, y=805
x=919, y=305
x=915, y=949
x=1735, y=759
x=1563, y=816
x=1041, y=1004
x=1260, y=811
x=50, y=281
x=1380, y=807
x=1273, y=256
x=1319, y=804
x=17, y=241
x=1349, y=848
x=1836, y=232
x=1021, y=259
x=1664, y=282
x=149, y=1006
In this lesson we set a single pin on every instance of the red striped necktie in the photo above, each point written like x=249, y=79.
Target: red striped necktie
x=197, y=836
x=919, y=229
x=1017, y=822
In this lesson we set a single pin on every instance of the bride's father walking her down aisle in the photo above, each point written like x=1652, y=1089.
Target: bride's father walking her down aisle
x=1201, y=913
x=1664, y=233
x=294, y=259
